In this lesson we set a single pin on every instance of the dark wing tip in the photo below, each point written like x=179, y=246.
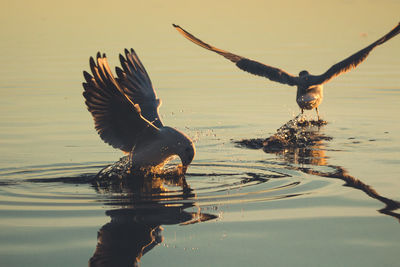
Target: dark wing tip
x=395, y=31
x=121, y=59
x=87, y=76
x=119, y=71
x=92, y=62
x=228, y=55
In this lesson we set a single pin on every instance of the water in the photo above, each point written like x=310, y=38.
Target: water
x=335, y=204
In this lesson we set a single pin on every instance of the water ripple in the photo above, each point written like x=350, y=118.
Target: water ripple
x=206, y=184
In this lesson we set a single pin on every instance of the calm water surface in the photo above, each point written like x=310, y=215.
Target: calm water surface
x=334, y=204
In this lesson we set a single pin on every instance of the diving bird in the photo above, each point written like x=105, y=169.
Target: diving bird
x=309, y=87
x=125, y=113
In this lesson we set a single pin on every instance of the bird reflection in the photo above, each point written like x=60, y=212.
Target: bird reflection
x=123, y=241
x=301, y=144
x=143, y=206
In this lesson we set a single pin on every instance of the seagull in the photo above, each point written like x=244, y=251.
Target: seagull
x=309, y=87
x=125, y=113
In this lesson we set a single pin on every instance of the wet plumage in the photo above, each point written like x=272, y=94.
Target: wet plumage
x=125, y=113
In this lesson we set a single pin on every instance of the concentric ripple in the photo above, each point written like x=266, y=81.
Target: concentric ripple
x=246, y=182
x=206, y=184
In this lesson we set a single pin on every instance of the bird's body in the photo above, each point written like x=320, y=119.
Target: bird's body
x=309, y=87
x=125, y=112
x=309, y=97
x=154, y=152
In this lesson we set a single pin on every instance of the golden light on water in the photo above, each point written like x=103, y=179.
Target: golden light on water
x=241, y=201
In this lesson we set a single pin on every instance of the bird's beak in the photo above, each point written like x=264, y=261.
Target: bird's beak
x=184, y=168
x=187, y=157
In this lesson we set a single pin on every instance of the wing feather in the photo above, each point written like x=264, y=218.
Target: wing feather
x=117, y=120
x=137, y=85
x=248, y=65
x=354, y=60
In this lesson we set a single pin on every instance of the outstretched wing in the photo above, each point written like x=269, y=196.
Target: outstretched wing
x=117, y=120
x=352, y=61
x=254, y=67
x=136, y=84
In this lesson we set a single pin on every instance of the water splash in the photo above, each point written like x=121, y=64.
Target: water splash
x=300, y=142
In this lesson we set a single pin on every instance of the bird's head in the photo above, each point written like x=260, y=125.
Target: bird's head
x=182, y=146
x=303, y=73
x=186, y=153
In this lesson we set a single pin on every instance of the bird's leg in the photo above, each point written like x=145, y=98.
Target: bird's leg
x=300, y=117
x=130, y=161
x=316, y=109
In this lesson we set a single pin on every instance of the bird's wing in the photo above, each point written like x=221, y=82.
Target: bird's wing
x=352, y=61
x=137, y=85
x=117, y=119
x=251, y=66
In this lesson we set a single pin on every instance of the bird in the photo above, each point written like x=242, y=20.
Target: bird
x=309, y=87
x=125, y=111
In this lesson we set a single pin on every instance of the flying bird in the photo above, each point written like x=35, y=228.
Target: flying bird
x=125, y=112
x=309, y=87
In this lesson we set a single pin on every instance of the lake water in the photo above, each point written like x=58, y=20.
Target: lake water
x=334, y=204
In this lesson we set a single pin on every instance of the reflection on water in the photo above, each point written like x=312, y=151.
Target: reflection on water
x=302, y=144
x=263, y=203
x=135, y=228
x=123, y=241
x=350, y=181
x=138, y=208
